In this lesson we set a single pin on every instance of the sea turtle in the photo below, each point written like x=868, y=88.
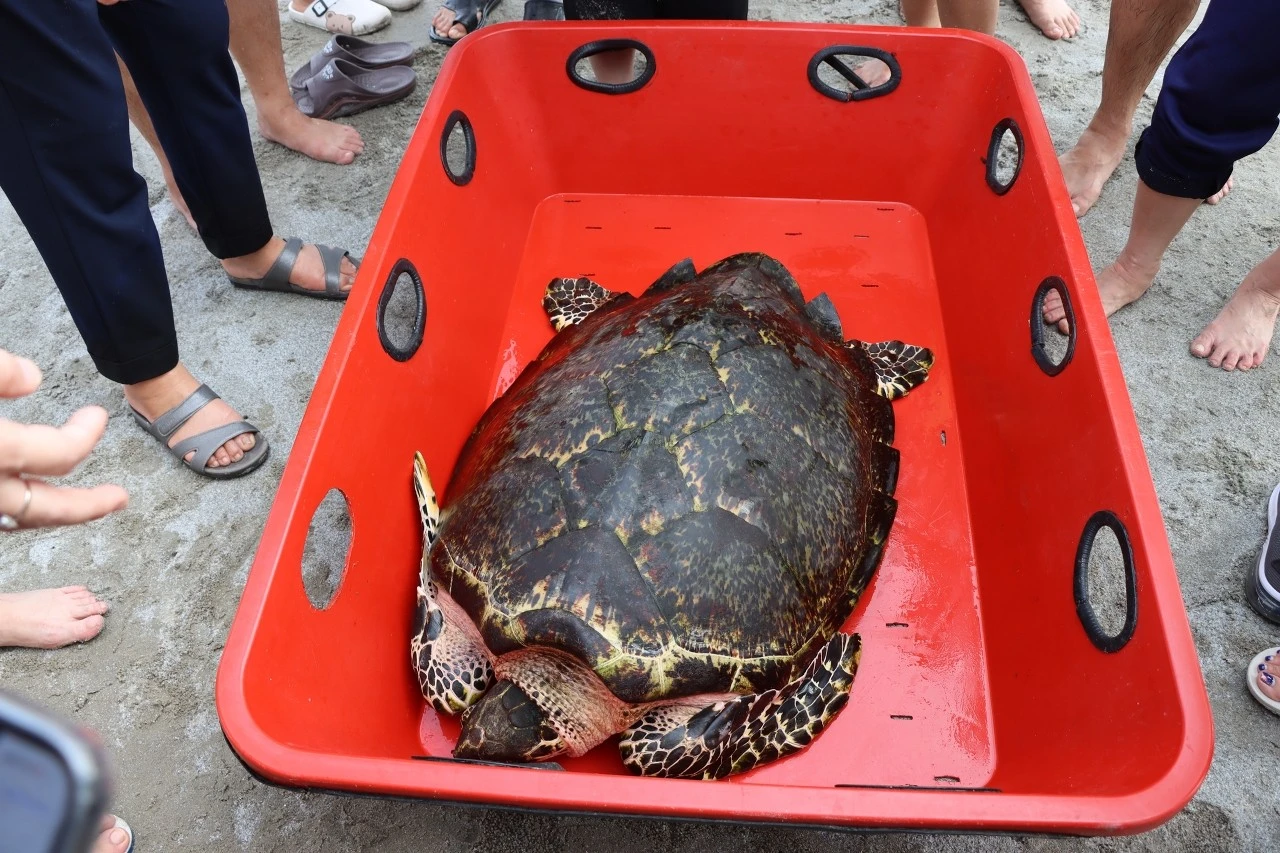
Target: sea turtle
x=659, y=528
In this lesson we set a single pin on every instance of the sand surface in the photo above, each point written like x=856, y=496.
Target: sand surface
x=174, y=563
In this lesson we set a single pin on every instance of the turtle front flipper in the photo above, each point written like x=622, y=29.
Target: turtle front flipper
x=899, y=367
x=569, y=301
x=713, y=741
x=453, y=667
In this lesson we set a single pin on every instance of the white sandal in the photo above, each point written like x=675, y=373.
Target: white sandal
x=1251, y=679
x=346, y=17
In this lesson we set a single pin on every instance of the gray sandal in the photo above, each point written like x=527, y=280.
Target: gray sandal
x=206, y=443
x=277, y=278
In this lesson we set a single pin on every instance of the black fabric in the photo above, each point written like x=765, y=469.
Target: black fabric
x=1220, y=101
x=66, y=164
x=630, y=10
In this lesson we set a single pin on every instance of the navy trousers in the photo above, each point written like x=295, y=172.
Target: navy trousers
x=1220, y=101
x=66, y=164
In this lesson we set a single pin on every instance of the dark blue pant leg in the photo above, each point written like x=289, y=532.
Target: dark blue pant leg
x=1219, y=103
x=66, y=166
x=176, y=52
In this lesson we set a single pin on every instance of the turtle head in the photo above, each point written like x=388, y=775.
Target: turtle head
x=508, y=726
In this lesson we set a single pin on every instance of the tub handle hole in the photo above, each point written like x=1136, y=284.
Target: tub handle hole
x=1051, y=350
x=850, y=72
x=1108, y=615
x=582, y=71
x=1004, y=156
x=327, y=550
x=402, y=311
x=458, y=148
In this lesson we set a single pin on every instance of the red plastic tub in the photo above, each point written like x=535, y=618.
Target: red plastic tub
x=989, y=697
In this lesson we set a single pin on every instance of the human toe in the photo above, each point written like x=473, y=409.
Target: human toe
x=91, y=608
x=86, y=629
x=112, y=839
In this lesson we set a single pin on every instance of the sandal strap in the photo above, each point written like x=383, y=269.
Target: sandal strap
x=205, y=444
x=332, y=259
x=284, y=263
x=172, y=420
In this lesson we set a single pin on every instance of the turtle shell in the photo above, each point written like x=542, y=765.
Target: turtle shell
x=687, y=491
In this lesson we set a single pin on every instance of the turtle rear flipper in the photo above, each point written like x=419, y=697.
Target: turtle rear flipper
x=453, y=670
x=899, y=367
x=714, y=741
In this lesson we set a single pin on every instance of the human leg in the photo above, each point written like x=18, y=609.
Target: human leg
x=1140, y=35
x=66, y=167
x=1220, y=103
x=255, y=44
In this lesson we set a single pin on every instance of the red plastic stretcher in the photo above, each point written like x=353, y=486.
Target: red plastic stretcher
x=990, y=696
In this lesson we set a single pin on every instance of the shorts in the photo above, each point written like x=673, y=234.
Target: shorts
x=631, y=10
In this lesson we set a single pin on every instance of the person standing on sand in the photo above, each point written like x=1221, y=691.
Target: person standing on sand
x=1141, y=34
x=1220, y=103
x=66, y=166
x=1054, y=18
x=255, y=44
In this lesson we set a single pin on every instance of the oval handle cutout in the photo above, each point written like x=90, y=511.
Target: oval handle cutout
x=1097, y=584
x=1049, y=353
x=402, y=311
x=583, y=72
x=874, y=73
x=324, y=557
x=458, y=148
x=1004, y=156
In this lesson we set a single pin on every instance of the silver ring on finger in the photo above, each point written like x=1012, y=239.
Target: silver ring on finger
x=13, y=522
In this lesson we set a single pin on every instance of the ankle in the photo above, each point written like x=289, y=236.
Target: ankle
x=299, y=5
x=255, y=262
x=142, y=393
x=1114, y=133
x=1136, y=270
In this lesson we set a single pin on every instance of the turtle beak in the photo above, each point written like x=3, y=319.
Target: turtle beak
x=507, y=726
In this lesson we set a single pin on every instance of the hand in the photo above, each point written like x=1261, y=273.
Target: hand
x=31, y=451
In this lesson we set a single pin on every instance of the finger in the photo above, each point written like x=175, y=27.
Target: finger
x=46, y=451
x=54, y=506
x=18, y=376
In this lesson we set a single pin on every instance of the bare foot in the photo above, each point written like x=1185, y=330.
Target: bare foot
x=873, y=72
x=156, y=396
x=110, y=839
x=50, y=618
x=322, y=140
x=446, y=24
x=1240, y=336
x=1118, y=285
x=1055, y=18
x=308, y=272
x=1222, y=193
x=1088, y=165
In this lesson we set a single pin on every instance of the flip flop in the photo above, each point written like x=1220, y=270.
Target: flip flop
x=349, y=17
x=357, y=51
x=277, y=278
x=1262, y=586
x=1251, y=679
x=544, y=10
x=343, y=88
x=470, y=14
x=206, y=443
